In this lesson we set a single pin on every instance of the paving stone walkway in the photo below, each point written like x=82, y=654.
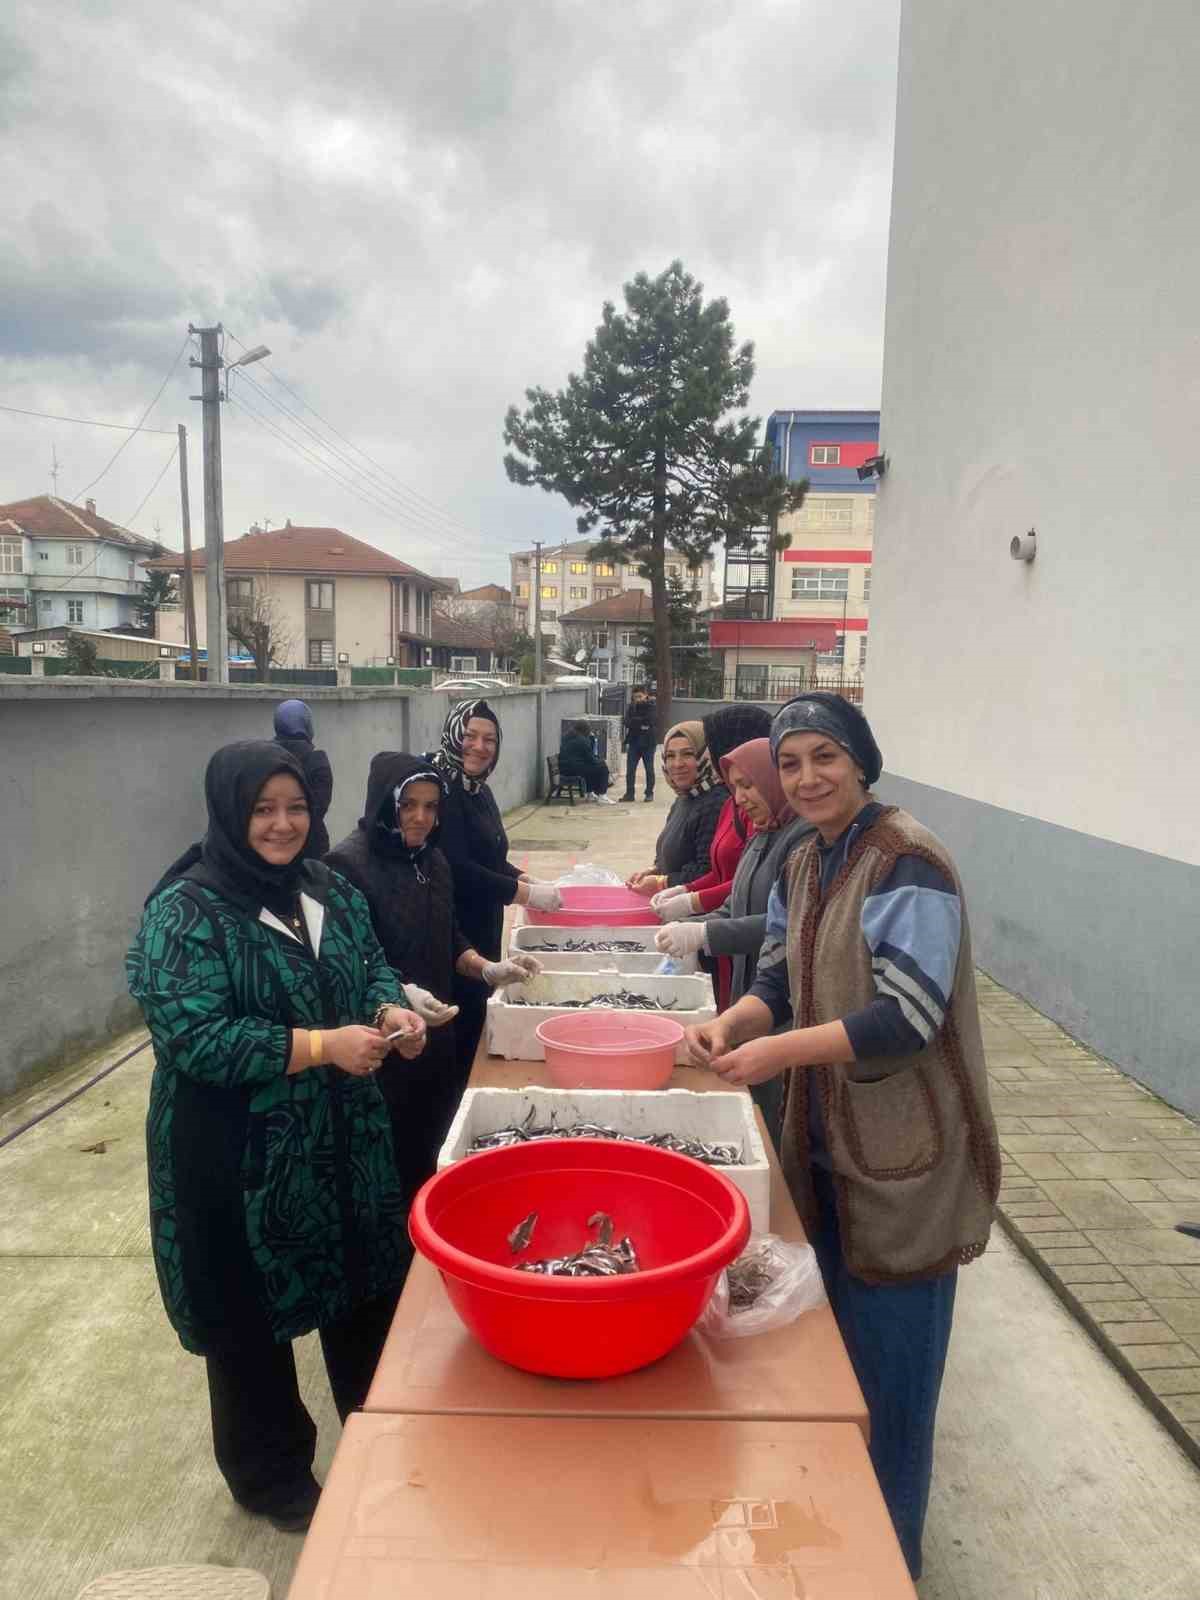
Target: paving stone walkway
x=1096, y=1172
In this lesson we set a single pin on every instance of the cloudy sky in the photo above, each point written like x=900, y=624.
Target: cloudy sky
x=420, y=206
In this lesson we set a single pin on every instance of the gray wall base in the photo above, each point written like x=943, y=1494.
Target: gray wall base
x=1101, y=937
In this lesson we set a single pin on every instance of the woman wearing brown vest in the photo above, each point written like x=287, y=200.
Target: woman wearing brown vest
x=889, y=1146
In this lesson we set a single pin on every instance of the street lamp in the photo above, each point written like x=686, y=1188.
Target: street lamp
x=210, y=363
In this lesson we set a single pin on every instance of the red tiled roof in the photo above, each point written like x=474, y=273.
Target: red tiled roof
x=631, y=605
x=46, y=517
x=488, y=593
x=302, y=550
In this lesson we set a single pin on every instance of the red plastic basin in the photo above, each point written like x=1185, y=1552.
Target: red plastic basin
x=687, y=1222
x=610, y=1049
x=599, y=905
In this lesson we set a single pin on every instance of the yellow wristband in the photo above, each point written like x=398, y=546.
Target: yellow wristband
x=315, y=1046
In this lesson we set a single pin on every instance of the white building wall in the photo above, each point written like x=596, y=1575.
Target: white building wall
x=1042, y=369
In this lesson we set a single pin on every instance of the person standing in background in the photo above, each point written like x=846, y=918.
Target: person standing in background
x=294, y=731
x=640, y=740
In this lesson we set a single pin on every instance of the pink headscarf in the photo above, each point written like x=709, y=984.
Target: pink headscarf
x=754, y=759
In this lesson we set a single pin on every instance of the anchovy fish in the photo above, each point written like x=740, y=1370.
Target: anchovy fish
x=519, y=1238
x=748, y=1277
x=712, y=1154
x=616, y=1000
x=600, y=1259
x=588, y=946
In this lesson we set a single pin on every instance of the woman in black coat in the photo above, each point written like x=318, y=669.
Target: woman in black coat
x=294, y=731
x=393, y=858
x=577, y=758
x=474, y=842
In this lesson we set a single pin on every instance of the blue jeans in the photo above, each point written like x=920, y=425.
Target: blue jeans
x=897, y=1335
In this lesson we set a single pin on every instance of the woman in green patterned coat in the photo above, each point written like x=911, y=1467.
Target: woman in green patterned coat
x=275, y=1207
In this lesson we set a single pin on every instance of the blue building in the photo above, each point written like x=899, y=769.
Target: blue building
x=827, y=447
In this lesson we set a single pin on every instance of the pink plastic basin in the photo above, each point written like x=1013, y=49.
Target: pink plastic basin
x=610, y=1049
x=600, y=905
x=687, y=1223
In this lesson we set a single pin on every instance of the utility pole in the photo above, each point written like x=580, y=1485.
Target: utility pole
x=189, y=593
x=210, y=365
x=537, y=611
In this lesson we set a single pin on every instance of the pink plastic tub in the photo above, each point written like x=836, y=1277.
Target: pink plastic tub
x=610, y=1050
x=600, y=905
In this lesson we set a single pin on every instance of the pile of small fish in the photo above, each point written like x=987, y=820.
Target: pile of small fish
x=599, y=1259
x=749, y=1276
x=617, y=1000
x=713, y=1155
x=627, y=947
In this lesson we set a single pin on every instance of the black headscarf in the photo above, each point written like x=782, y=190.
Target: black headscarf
x=833, y=715
x=449, y=758
x=224, y=861
x=391, y=773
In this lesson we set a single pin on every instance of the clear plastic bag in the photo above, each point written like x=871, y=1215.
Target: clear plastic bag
x=794, y=1286
x=586, y=873
x=677, y=966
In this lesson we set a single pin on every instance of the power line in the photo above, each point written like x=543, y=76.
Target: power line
x=421, y=502
x=145, y=414
x=153, y=486
x=366, y=492
x=87, y=422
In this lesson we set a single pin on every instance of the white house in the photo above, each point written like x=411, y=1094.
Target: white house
x=61, y=564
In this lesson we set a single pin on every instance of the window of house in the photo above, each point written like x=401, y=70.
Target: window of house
x=869, y=510
x=10, y=555
x=462, y=663
x=866, y=586
x=579, y=569
x=604, y=569
x=129, y=571
x=320, y=653
x=522, y=591
x=862, y=652
x=74, y=610
x=606, y=594
x=320, y=595
x=672, y=569
x=74, y=555
x=46, y=603
x=43, y=555
x=835, y=657
x=578, y=592
x=12, y=605
x=820, y=583
x=549, y=616
x=549, y=591
x=601, y=640
x=630, y=639
x=239, y=592
x=829, y=511
x=825, y=455
x=549, y=566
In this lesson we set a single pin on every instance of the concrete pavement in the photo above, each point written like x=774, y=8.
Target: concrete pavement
x=1053, y=1480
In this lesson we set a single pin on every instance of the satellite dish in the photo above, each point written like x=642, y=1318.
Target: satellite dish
x=581, y=656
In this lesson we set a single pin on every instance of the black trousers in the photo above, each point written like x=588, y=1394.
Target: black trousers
x=471, y=998
x=263, y=1437
x=595, y=777
x=643, y=751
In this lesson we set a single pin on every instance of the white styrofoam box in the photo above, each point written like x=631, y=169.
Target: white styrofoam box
x=719, y=1117
x=511, y=1029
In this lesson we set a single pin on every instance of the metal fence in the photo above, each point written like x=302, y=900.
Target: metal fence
x=745, y=686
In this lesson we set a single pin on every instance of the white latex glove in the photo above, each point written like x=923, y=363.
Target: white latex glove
x=433, y=1012
x=544, y=897
x=673, y=907
x=681, y=939
x=519, y=968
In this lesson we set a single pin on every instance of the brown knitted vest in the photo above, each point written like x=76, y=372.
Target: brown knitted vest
x=912, y=1141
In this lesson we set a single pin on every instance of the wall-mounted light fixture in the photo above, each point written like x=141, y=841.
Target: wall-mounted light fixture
x=343, y=659
x=391, y=661
x=38, y=647
x=873, y=467
x=1023, y=546
x=165, y=652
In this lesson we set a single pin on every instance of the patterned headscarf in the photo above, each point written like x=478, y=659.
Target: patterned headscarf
x=449, y=758
x=693, y=732
x=821, y=711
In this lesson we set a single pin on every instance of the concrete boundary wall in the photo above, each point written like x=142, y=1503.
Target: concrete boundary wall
x=101, y=787
x=1097, y=935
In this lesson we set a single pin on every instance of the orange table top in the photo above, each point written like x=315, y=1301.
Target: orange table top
x=534, y=1508
x=430, y=1362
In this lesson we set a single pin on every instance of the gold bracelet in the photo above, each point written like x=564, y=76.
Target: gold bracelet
x=315, y=1047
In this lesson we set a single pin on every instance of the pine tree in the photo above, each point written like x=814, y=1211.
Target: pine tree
x=647, y=444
